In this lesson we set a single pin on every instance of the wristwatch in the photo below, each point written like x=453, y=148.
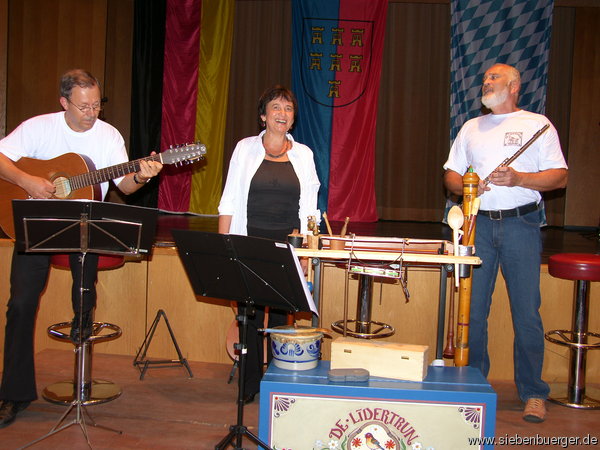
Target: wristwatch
x=136, y=181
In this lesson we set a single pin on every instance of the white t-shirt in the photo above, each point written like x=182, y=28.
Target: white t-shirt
x=48, y=136
x=486, y=141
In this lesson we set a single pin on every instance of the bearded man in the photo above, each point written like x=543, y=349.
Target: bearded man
x=508, y=225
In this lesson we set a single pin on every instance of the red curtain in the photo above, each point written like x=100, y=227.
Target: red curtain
x=180, y=90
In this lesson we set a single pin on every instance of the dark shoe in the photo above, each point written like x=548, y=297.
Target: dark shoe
x=88, y=323
x=9, y=411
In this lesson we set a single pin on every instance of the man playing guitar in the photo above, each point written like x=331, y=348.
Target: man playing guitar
x=76, y=129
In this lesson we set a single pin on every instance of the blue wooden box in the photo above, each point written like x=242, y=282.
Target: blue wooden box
x=454, y=407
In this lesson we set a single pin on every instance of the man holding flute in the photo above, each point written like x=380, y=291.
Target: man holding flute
x=508, y=226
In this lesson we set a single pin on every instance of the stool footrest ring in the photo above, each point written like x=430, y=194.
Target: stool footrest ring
x=64, y=392
x=55, y=331
x=559, y=394
x=341, y=326
x=569, y=341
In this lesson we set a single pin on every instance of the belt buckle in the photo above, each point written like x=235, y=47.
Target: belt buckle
x=496, y=214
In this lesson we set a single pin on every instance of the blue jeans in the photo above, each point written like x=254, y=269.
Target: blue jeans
x=514, y=245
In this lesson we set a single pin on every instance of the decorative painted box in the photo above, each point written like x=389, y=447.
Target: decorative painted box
x=453, y=407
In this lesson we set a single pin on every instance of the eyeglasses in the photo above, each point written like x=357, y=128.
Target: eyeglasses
x=86, y=109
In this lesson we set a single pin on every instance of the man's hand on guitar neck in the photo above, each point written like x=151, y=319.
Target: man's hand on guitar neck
x=148, y=169
x=133, y=182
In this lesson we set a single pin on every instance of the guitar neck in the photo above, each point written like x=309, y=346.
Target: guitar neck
x=108, y=173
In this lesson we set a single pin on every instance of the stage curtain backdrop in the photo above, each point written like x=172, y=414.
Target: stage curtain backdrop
x=336, y=67
x=514, y=32
x=412, y=133
x=146, y=89
x=197, y=55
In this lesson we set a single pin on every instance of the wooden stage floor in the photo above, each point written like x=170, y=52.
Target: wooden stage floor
x=168, y=410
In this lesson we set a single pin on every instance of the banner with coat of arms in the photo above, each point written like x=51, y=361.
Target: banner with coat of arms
x=337, y=53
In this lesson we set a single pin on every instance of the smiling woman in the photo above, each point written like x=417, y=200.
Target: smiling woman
x=271, y=189
x=277, y=109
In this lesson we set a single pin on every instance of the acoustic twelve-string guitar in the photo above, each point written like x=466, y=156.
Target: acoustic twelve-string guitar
x=75, y=176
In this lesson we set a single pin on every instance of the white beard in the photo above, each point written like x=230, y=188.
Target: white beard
x=494, y=99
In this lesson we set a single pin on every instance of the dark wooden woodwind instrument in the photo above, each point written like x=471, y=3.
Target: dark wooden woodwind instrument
x=508, y=161
x=449, y=349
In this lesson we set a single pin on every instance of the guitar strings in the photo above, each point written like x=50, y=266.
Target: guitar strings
x=65, y=185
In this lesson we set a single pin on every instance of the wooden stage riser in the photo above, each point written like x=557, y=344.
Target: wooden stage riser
x=201, y=324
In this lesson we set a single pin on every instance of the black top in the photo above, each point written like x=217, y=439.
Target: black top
x=274, y=197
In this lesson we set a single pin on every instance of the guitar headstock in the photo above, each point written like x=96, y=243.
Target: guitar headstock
x=182, y=153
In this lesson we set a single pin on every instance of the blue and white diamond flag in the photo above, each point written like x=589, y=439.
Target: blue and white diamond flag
x=484, y=32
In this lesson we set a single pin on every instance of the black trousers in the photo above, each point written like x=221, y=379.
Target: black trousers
x=255, y=357
x=29, y=273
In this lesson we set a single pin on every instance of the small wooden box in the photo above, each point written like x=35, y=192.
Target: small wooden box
x=380, y=358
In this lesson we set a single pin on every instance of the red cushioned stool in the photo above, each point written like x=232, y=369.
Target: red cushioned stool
x=61, y=260
x=83, y=388
x=583, y=268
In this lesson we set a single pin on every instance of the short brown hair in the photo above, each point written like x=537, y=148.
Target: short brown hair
x=76, y=77
x=272, y=93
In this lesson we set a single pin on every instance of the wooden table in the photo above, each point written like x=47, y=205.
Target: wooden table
x=400, y=252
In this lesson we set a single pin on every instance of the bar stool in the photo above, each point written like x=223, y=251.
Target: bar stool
x=90, y=391
x=364, y=326
x=582, y=268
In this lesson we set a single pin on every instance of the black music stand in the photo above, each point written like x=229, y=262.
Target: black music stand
x=82, y=226
x=252, y=271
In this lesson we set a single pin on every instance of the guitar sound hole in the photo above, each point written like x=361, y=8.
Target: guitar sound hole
x=63, y=188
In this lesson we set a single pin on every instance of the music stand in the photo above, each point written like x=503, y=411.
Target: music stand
x=83, y=226
x=252, y=271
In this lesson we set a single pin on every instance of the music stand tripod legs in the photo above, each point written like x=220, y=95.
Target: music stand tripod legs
x=239, y=430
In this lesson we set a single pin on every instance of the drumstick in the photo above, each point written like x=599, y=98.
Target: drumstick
x=295, y=330
x=456, y=220
x=327, y=223
x=472, y=219
x=344, y=227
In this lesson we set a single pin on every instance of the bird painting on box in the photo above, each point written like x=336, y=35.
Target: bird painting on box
x=371, y=442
